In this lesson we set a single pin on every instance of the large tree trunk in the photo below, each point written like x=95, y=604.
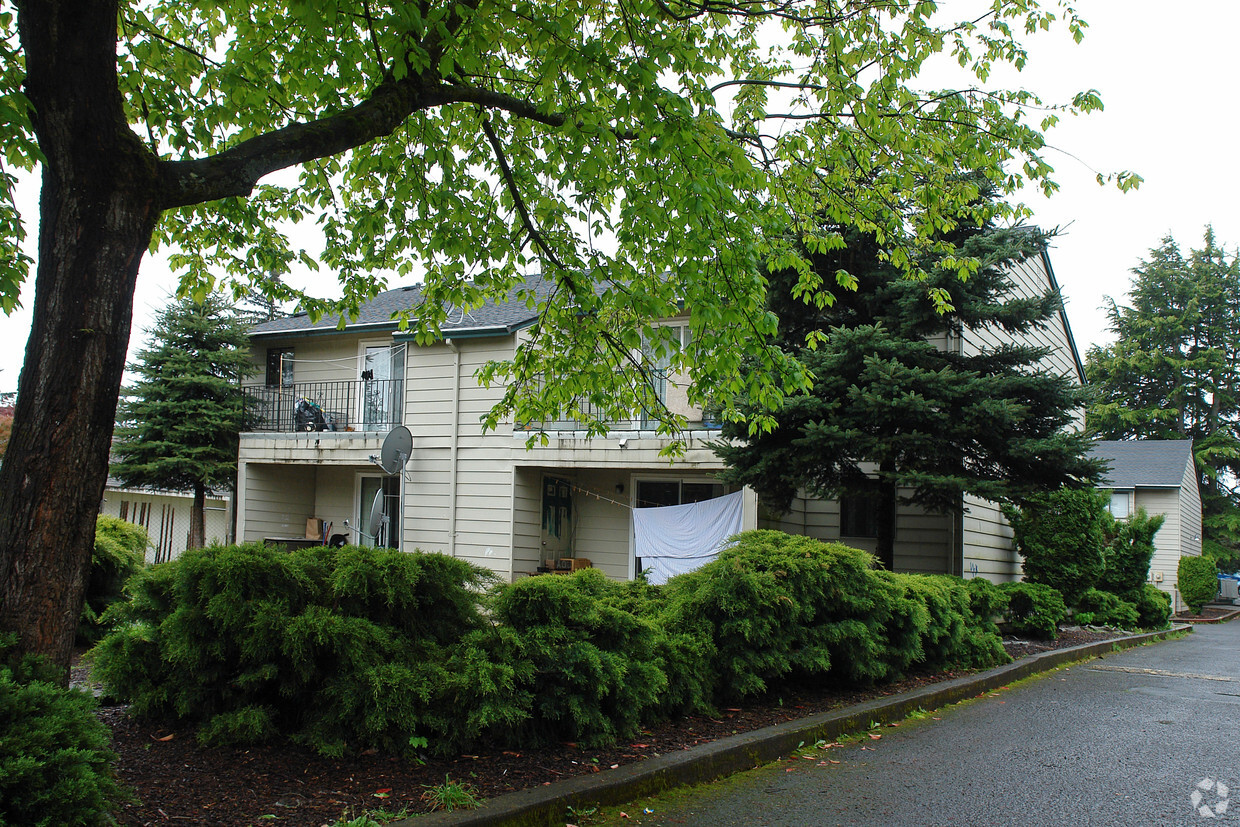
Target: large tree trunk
x=197, y=518
x=97, y=212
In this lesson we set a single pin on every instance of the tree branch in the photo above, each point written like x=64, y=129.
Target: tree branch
x=511, y=182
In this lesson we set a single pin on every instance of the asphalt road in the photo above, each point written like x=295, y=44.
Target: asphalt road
x=1122, y=740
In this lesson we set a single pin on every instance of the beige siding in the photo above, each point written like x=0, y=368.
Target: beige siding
x=1168, y=542
x=335, y=499
x=988, y=547
x=275, y=500
x=1190, y=512
x=1030, y=278
x=320, y=358
x=602, y=527
x=923, y=540
x=461, y=499
x=526, y=518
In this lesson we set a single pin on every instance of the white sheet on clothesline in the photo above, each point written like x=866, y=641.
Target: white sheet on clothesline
x=676, y=539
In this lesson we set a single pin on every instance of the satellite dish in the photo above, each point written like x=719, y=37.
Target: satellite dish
x=376, y=522
x=396, y=450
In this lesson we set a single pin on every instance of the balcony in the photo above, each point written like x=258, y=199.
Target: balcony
x=640, y=421
x=364, y=405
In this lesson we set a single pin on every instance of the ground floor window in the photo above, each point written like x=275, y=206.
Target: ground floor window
x=859, y=515
x=663, y=492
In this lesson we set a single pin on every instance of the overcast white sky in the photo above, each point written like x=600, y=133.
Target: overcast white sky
x=1168, y=78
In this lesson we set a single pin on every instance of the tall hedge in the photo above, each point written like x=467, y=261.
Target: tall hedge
x=1198, y=581
x=335, y=647
x=370, y=647
x=590, y=668
x=1060, y=535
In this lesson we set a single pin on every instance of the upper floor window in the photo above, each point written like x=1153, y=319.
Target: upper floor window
x=1121, y=504
x=279, y=367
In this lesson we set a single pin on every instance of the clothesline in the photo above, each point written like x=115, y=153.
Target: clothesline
x=606, y=499
x=353, y=361
x=598, y=496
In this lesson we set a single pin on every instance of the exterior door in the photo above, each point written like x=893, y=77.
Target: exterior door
x=556, y=534
x=383, y=370
x=386, y=532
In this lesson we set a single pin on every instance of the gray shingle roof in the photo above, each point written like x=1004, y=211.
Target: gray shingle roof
x=1144, y=463
x=490, y=319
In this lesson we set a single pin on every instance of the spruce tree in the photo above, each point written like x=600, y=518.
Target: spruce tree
x=1174, y=372
x=899, y=410
x=181, y=421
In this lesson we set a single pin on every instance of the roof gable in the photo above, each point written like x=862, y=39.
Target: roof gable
x=491, y=319
x=1144, y=463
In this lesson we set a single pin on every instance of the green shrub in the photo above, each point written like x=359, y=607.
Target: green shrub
x=590, y=668
x=774, y=606
x=120, y=550
x=364, y=647
x=55, y=760
x=959, y=628
x=1034, y=609
x=1106, y=609
x=1060, y=535
x=336, y=647
x=1153, y=606
x=1128, y=551
x=986, y=600
x=1198, y=581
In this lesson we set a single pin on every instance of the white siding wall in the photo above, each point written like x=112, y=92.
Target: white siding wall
x=166, y=516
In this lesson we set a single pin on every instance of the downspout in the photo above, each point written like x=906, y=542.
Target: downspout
x=455, y=444
x=955, y=530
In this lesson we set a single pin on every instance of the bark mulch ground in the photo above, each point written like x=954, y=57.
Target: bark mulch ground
x=1209, y=614
x=179, y=782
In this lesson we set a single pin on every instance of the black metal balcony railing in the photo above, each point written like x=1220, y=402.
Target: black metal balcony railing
x=364, y=405
x=640, y=421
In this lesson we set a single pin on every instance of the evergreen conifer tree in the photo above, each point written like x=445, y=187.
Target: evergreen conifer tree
x=1174, y=372
x=899, y=411
x=181, y=421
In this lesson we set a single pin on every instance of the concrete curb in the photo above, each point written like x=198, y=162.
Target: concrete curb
x=547, y=806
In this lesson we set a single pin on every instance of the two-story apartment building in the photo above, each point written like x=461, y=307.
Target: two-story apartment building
x=487, y=498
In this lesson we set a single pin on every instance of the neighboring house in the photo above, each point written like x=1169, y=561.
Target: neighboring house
x=1160, y=476
x=165, y=516
x=484, y=496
